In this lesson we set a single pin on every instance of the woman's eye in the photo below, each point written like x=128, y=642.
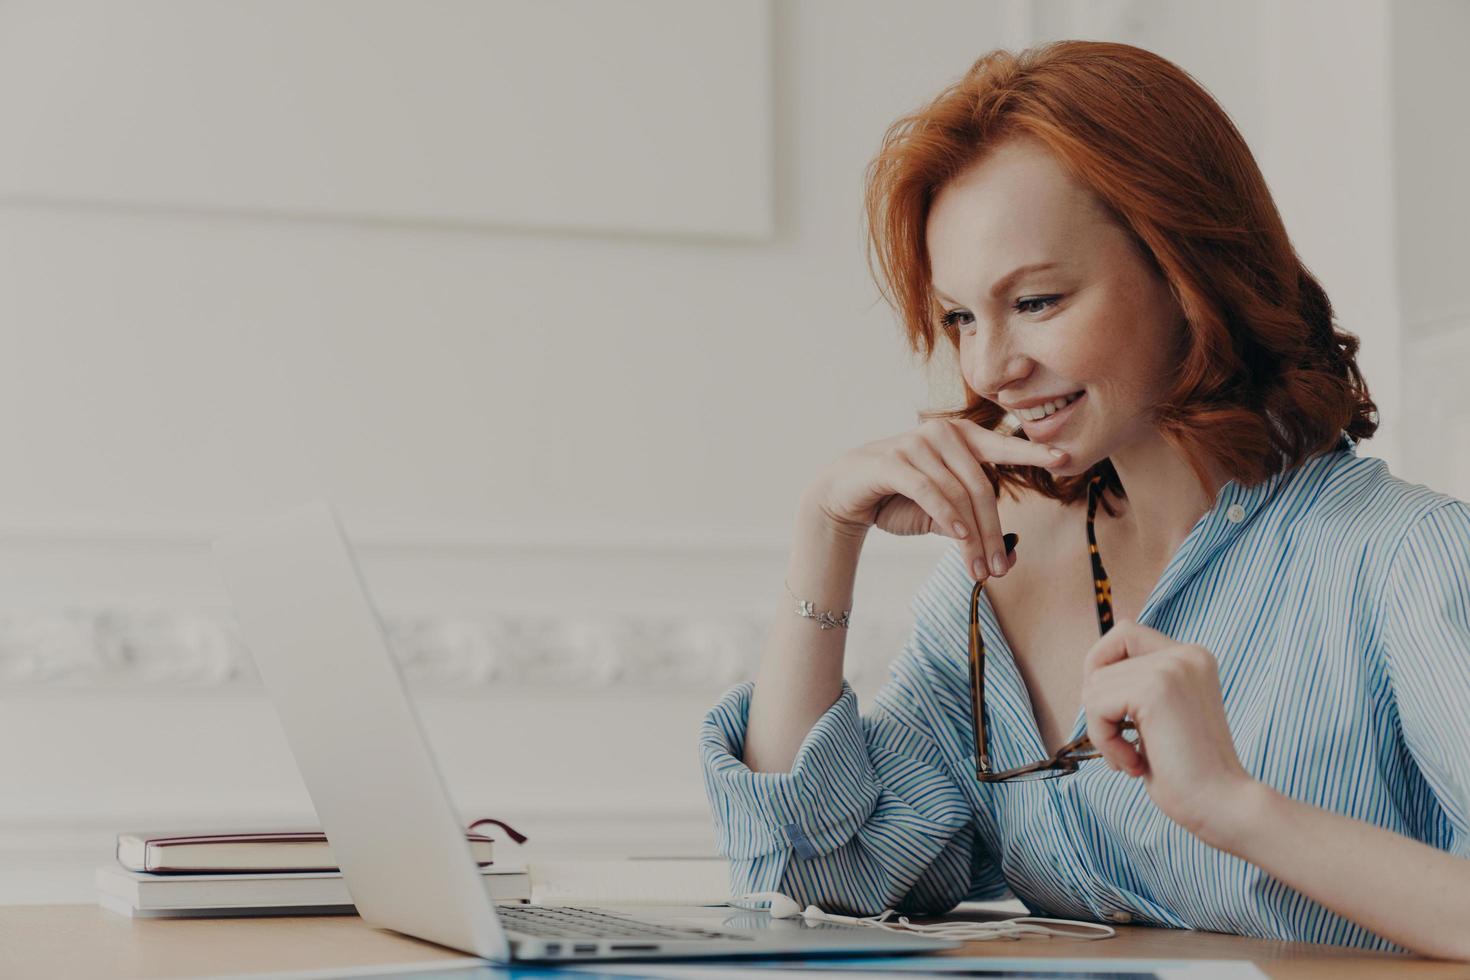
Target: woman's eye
x=1028, y=304
x=1021, y=304
x=949, y=321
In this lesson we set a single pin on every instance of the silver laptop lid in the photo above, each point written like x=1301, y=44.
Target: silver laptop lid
x=320, y=648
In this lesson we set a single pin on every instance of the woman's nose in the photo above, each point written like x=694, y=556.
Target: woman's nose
x=991, y=363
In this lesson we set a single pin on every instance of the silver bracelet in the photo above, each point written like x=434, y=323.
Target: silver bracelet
x=824, y=619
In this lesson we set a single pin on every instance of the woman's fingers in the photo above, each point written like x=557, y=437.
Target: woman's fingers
x=1126, y=639
x=977, y=513
x=1128, y=673
x=1106, y=705
x=916, y=484
x=989, y=550
x=939, y=467
x=923, y=457
x=995, y=447
x=963, y=446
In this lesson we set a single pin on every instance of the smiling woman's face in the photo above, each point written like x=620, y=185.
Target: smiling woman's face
x=1100, y=322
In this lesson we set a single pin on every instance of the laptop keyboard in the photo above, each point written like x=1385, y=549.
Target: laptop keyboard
x=562, y=922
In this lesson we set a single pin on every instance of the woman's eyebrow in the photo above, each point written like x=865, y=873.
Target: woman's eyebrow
x=1005, y=281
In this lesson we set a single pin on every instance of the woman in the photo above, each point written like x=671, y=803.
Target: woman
x=1201, y=557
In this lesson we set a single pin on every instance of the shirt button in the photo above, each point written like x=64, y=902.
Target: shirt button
x=1235, y=513
x=1119, y=917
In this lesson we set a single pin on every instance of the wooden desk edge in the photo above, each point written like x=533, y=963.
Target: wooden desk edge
x=85, y=940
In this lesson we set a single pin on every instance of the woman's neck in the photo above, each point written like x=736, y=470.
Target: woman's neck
x=1164, y=499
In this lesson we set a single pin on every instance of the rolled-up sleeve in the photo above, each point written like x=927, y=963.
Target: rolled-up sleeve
x=1428, y=649
x=870, y=816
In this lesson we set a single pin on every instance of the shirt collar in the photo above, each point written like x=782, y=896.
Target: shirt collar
x=1235, y=507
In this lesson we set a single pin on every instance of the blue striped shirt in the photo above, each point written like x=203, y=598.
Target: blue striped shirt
x=1336, y=598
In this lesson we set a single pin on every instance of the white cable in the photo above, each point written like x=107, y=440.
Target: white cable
x=1022, y=927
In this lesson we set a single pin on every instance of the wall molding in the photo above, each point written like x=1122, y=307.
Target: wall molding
x=481, y=541
x=118, y=607
x=112, y=648
x=398, y=148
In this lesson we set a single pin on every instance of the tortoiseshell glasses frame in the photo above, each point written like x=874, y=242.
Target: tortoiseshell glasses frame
x=1066, y=759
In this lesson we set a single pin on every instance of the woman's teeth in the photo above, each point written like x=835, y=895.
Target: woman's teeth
x=1042, y=411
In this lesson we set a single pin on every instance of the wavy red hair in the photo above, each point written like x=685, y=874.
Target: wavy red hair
x=1265, y=378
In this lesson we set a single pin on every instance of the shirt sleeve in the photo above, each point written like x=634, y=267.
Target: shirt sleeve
x=1427, y=633
x=870, y=816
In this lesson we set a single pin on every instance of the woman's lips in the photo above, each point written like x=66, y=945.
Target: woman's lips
x=1044, y=429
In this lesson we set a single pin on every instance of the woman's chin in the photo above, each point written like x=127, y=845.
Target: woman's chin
x=1074, y=466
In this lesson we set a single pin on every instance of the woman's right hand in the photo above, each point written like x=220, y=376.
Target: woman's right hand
x=927, y=481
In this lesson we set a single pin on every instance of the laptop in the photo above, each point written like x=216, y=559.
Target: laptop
x=319, y=646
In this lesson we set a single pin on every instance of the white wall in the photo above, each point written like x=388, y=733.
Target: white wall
x=1330, y=165
x=1431, y=140
x=570, y=457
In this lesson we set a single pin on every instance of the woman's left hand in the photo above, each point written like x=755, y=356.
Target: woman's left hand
x=1171, y=692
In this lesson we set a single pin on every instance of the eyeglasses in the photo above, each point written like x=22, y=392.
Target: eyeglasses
x=1067, y=758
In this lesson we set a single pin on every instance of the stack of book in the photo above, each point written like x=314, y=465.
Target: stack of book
x=258, y=872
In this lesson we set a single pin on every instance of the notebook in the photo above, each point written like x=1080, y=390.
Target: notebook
x=141, y=894
x=191, y=851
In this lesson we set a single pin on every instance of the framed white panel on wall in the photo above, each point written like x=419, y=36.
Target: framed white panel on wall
x=648, y=117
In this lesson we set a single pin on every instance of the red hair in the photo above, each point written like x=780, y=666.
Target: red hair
x=1265, y=379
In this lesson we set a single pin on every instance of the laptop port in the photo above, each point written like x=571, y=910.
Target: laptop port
x=553, y=949
x=638, y=947
x=580, y=948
